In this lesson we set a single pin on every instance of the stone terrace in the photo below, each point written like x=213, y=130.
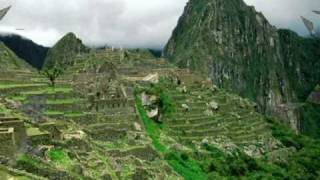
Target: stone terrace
x=234, y=119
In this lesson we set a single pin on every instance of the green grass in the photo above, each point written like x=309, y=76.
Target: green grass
x=152, y=128
x=23, y=158
x=188, y=169
x=57, y=155
x=10, y=86
x=110, y=145
x=35, y=132
x=21, y=98
x=52, y=113
x=310, y=119
x=3, y=109
x=63, y=101
x=49, y=90
x=60, y=158
x=74, y=114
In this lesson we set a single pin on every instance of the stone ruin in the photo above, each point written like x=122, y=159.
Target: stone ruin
x=55, y=130
x=8, y=142
x=37, y=136
x=115, y=97
x=19, y=129
x=185, y=77
x=14, y=135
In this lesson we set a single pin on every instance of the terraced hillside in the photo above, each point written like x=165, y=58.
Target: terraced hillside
x=234, y=119
x=95, y=124
x=111, y=138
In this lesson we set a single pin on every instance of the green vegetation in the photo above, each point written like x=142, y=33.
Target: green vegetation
x=11, y=86
x=60, y=157
x=52, y=74
x=74, y=114
x=186, y=168
x=49, y=90
x=303, y=54
x=36, y=166
x=298, y=161
x=289, y=72
x=167, y=107
x=52, y=113
x=310, y=120
x=3, y=109
x=35, y=132
x=62, y=55
x=210, y=139
x=10, y=61
x=26, y=161
x=303, y=164
x=19, y=98
x=152, y=128
x=63, y=101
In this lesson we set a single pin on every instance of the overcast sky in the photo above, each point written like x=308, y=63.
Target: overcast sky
x=126, y=23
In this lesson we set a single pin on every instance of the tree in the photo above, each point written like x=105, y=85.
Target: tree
x=52, y=74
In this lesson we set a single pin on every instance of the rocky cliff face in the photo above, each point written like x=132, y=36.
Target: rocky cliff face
x=63, y=52
x=302, y=61
x=238, y=48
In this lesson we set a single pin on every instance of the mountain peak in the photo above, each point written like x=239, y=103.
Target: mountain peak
x=224, y=35
x=242, y=52
x=64, y=51
x=69, y=35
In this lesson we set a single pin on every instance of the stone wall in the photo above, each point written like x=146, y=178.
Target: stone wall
x=19, y=128
x=8, y=145
x=114, y=103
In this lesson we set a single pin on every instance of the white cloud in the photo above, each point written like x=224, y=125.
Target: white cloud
x=127, y=23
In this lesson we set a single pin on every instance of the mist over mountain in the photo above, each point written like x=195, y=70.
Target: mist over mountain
x=126, y=23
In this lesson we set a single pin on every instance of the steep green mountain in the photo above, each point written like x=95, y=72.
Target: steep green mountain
x=26, y=49
x=10, y=61
x=240, y=51
x=63, y=52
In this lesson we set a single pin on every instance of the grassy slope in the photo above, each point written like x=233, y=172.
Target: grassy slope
x=188, y=168
x=9, y=61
